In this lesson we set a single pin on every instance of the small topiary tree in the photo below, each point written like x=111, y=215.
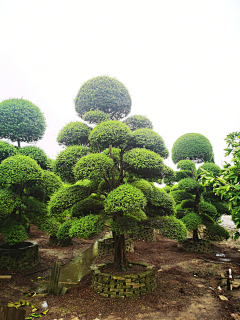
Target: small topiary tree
x=21, y=121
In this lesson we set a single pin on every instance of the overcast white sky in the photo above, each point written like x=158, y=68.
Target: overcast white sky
x=180, y=61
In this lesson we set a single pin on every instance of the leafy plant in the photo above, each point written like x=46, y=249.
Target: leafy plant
x=87, y=227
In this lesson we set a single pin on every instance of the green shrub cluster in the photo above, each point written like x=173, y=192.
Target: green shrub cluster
x=7, y=150
x=13, y=232
x=36, y=154
x=138, y=122
x=74, y=134
x=192, y=221
x=171, y=227
x=215, y=232
x=87, y=227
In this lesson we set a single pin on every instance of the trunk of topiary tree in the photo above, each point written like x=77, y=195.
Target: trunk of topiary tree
x=195, y=235
x=120, y=257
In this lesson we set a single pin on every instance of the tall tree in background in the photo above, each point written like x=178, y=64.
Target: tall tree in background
x=21, y=121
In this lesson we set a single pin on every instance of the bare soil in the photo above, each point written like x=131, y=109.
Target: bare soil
x=187, y=285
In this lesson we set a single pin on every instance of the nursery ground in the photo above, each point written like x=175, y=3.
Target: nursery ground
x=187, y=284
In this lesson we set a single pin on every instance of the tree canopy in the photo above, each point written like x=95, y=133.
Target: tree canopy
x=21, y=121
x=192, y=146
x=104, y=94
x=74, y=133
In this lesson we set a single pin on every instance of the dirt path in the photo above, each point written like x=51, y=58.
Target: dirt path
x=187, y=285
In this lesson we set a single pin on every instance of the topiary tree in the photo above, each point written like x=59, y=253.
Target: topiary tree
x=192, y=146
x=118, y=161
x=21, y=121
x=74, y=133
x=104, y=94
x=16, y=173
x=189, y=194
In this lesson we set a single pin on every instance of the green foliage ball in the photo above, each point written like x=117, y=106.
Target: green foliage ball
x=171, y=227
x=87, y=227
x=36, y=154
x=21, y=120
x=6, y=150
x=160, y=204
x=51, y=225
x=180, y=195
x=188, y=184
x=138, y=122
x=186, y=165
x=19, y=169
x=145, y=187
x=13, y=232
x=104, y=94
x=92, y=167
x=210, y=167
x=148, y=139
x=66, y=197
x=192, y=146
x=215, y=232
x=209, y=209
x=192, y=221
x=96, y=116
x=182, y=174
x=8, y=201
x=74, y=134
x=125, y=199
x=66, y=160
x=166, y=189
x=63, y=234
x=87, y=206
x=145, y=163
x=107, y=133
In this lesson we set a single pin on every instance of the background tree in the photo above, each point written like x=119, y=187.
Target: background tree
x=138, y=122
x=21, y=121
x=194, y=203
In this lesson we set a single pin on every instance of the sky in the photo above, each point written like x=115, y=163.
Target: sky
x=180, y=61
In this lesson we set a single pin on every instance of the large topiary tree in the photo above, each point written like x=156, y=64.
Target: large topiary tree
x=21, y=121
x=121, y=159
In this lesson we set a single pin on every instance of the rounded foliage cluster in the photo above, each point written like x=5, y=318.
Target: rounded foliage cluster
x=13, y=232
x=182, y=174
x=208, y=209
x=125, y=199
x=192, y=146
x=36, y=154
x=210, y=167
x=144, y=162
x=125, y=224
x=107, y=133
x=96, y=116
x=160, y=204
x=19, y=169
x=148, y=139
x=138, y=122
x=87, y=227
x=7, y=150
x=171, y=227
x=21, y=120
x=66, y=160
x=63, y=232
x=92, y=167
x=66, y=197
x=215, y=232
x=104, y=94
x=180, y=195
x=192, y=221
x=51, y=225
x=186, y=165
x=145, y=186
x=74, y=134
x=87, y=206
x=8, y=201
x=188, y=184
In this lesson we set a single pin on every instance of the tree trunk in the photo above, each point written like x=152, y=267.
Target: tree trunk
x=197, y=200
x=195, y=235
x=120, y=257
x=18, y=144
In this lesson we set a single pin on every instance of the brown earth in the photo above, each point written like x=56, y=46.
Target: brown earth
x=187, y=285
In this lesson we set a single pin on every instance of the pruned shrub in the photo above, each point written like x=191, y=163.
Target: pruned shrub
x=192, y=221
x=171, y=227
x=215, y=232
x=86, y=227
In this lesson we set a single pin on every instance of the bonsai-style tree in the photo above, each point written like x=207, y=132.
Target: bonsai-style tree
x=21, y=121
x=121, y=158
x=194, y=203
x=226, y=184
x=24, y=191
